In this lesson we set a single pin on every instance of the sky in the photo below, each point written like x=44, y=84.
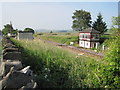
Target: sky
x=52, y=15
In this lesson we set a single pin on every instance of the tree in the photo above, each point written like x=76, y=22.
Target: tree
x=7, y=29
x=115, y=28
x=99, y=25
x=51, y=31
x=29, y=29
x=81, y=20
x=116, y=23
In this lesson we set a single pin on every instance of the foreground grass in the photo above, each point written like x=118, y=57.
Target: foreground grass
x=59, y=68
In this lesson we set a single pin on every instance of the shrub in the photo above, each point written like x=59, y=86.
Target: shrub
x=40, y=34
x=68, y=33
x=111, y=72
x=54, y=34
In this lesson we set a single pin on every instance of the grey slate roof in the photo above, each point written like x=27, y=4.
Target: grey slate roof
x=90, y=30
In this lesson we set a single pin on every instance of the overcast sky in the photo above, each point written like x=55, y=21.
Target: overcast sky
x=52, y=15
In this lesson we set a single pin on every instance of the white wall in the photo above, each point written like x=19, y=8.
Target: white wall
x=81, y=43
x=28, y=36
x=87, y=44
x=97, y=44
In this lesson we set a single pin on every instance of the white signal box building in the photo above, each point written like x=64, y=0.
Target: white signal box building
x=89, y=38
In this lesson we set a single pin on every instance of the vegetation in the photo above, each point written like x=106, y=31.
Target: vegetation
x=29, y=29
x=81, y=20
x=0, y=48
x=59, y=68
x=111, y=73
x=51, y=31
x=99, y=25
x=116, y=24
x=8, y=29
x=65, y=38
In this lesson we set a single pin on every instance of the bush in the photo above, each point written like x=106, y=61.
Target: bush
x=40, y=34
x=54, y=34
x=111, y=72
x=68, y=33
x=93, y=48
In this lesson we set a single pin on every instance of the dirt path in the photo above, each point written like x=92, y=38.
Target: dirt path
x=79, y=51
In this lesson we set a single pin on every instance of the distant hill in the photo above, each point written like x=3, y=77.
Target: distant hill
x=42, y=30
x=63, y=31
x=46, y=30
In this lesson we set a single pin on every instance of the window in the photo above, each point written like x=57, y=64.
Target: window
x=87, y=36
x=82, y=36
x=95, y=36
x=87, y=44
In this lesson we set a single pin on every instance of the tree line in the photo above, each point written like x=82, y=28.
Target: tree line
x=8, y=28
x=82, y=20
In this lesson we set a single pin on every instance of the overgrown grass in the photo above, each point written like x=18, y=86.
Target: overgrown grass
x=59, y=68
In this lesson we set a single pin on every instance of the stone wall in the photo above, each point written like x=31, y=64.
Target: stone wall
x=12, y=72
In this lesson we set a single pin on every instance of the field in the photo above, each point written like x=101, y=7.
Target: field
x=59, y=68
x=64, y=38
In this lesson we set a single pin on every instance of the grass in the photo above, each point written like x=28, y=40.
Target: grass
x=59, y=68
x=0, y=48
x=64, y=38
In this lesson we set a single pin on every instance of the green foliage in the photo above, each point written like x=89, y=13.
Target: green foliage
x=81, y=20
x=99, y=25
x=116, y=20
x=8, y=29
x=0, y=48
x=111, y=72
x=116, y=24
x=61, y=39
x=40, y=34
x=59, y=68
x=51, y=31
x=68, y=33
x=29, y=29
x=54, y=34
x=93, y=48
